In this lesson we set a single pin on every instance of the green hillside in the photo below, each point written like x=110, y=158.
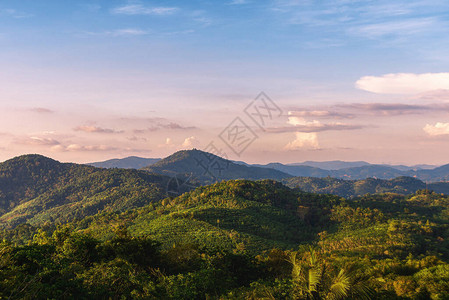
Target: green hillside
x=77, y=232
x=36, y=189
x=239, y=239
x=254, y=215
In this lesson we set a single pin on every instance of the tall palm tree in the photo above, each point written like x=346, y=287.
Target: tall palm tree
x=315, y=279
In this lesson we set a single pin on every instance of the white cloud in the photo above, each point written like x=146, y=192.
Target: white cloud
x=298, y=121
x=138, y=9
x=304, y=141
x=190, y=142
x=404, y=83
x=437, y=129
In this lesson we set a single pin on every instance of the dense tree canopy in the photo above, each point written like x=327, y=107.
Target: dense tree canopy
x=237, y=239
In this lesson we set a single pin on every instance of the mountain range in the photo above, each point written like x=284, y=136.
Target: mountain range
x=36, y=189
x=208, y=167
x=354, y=188
x=338, y=165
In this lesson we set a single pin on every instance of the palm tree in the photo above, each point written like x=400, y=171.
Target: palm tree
x=315, y=279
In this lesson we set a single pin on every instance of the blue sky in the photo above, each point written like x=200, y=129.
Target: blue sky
x=73, y=71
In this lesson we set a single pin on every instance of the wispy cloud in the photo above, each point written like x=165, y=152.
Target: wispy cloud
x=201, y=17
x=323, y=114
x=123, y=32
x=96, y=129
x=388, y=109
x=41, y=110
x=238, y=2
x=301, y=125
x=437, y=95
x=127, y=32
x=395, y=22
x=397, y=28
x=82, y=148
x=36, y=141
x=139, y=9
x=14, y=13
x=161, y=125
x=357, y=110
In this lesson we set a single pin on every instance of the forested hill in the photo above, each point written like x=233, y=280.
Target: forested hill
x=206, y=167
x=238, y=239
x=352, y=188
x=37, y=189
x=257, y=214
x=131, y=162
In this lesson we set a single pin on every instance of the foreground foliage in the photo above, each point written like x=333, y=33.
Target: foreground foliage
x=238, y=240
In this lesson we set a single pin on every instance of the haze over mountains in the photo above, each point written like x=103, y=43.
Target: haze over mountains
x=338, y=165
x=359, y=170
x=131, y=162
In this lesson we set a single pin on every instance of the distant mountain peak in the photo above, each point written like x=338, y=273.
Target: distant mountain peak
x=208, y=167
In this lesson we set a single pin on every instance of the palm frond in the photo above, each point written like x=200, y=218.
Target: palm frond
x=340, y=286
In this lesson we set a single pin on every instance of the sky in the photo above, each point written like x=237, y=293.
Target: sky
x=84, y=81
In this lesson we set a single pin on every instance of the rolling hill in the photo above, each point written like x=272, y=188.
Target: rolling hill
x=37, y=189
